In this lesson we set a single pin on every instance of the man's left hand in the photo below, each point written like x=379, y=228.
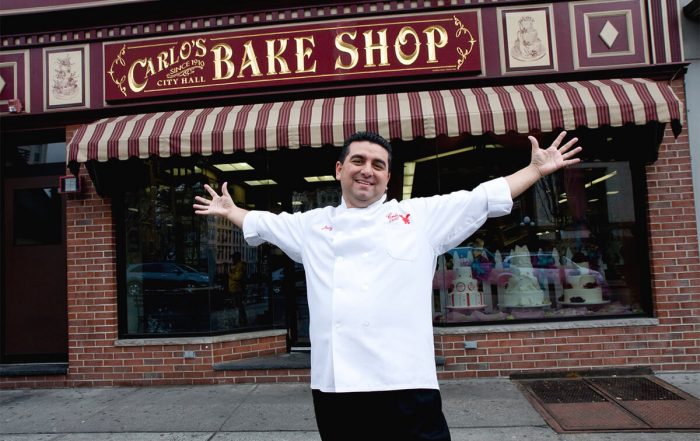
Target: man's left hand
x=551, y=159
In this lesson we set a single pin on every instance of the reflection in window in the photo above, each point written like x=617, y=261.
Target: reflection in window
x=36, y=154
x=190, y=274
x=36, y=211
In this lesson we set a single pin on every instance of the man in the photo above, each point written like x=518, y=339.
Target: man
x=369, y=269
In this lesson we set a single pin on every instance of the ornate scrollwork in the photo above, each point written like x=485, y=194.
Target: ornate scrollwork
x=119, y=60
x=463, y=52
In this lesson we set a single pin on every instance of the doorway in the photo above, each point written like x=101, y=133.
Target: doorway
x=34, y=268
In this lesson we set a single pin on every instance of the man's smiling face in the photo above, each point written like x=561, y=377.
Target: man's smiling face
x=364, y=174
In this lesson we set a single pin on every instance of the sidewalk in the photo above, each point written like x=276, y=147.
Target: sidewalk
x=476, y=410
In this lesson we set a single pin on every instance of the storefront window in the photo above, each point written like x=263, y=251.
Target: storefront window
x=187, y=274
x=572, y=247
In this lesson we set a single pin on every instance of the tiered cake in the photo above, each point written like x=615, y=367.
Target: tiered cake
x=582, y=289
x=465, y=291
x=522, y=288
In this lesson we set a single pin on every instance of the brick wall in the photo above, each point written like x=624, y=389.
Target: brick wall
x=672, y=345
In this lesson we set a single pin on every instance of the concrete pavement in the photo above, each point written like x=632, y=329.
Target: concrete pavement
x=476, y=410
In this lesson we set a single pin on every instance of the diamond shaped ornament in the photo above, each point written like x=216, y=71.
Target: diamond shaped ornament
x=608, y=34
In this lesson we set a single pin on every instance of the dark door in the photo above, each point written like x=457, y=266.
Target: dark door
x=34, y=313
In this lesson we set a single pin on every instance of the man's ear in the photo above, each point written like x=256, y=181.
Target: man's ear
x=338, y=168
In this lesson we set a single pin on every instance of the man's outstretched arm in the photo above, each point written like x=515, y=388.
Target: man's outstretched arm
x=542, y=163
x=222, y=206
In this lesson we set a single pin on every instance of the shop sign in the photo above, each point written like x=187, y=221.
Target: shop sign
x=329, y=52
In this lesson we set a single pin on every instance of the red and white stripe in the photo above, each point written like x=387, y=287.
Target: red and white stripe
x=408, y=115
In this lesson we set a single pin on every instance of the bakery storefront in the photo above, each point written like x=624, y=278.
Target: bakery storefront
x=592, y=268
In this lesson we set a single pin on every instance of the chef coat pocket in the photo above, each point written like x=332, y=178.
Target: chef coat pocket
x=401, y=241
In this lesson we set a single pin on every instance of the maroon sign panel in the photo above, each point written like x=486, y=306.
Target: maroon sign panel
x=274, y=56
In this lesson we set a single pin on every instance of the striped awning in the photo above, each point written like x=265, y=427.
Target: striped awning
x=328, y=121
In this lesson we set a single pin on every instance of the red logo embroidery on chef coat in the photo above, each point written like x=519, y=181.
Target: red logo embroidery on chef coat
x=393, y=217
x=327, y=228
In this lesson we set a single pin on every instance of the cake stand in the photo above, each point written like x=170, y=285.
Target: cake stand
x=604, y=302
x=465, y=308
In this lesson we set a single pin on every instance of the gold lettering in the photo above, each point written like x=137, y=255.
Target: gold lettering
x=401, y=40
x=173, y=58
x=348, y=48
x=303, y=53
x=150, y=69
x=249, y=60
x=273, y=56
x=381, y=47
x=185, y=50
x=432, y=44
x=201, y=48
x=133, y=84
x=222, y=54
x=162, y=60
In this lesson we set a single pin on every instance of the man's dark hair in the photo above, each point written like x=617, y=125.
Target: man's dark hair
x=365, y=136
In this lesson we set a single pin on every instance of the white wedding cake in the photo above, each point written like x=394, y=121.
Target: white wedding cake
x=582, y=289
x=465, y=292
x=522, y=288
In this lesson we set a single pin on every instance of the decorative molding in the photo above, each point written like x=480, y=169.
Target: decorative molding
x=228, y=21
x=608, y=33
x=14, y=71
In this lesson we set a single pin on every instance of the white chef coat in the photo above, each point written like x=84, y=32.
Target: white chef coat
x=369, y=274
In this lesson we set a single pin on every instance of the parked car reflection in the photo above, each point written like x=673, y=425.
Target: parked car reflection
x=164, y=276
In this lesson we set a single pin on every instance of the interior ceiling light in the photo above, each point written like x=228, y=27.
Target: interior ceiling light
x=409, y=171
x=442, y=155
x=234, y=166
x=325, y=178
x=602, y=178
x=259, y=182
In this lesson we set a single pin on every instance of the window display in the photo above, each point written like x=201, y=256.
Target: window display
x=570, y=248
x=573, y=247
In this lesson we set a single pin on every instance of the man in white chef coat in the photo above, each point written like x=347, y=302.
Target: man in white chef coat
x=369, y=268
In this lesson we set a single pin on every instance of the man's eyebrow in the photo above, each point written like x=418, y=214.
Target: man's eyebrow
x=361, y=156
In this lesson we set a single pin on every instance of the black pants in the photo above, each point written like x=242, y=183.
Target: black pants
x=400, y=415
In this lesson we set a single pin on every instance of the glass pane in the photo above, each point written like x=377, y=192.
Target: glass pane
x=37, y=216
x=570, y=248
x=35, y=154
x=189, y=274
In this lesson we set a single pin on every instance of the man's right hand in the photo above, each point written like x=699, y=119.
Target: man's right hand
x=219, y=205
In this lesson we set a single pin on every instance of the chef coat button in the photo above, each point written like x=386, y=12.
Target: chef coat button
x=365, y=324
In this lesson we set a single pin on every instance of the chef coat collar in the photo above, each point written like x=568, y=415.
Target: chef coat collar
x=372, y=206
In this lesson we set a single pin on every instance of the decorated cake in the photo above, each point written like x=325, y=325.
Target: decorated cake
x=465, y=291
x=582, y=289
x=523, y=290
